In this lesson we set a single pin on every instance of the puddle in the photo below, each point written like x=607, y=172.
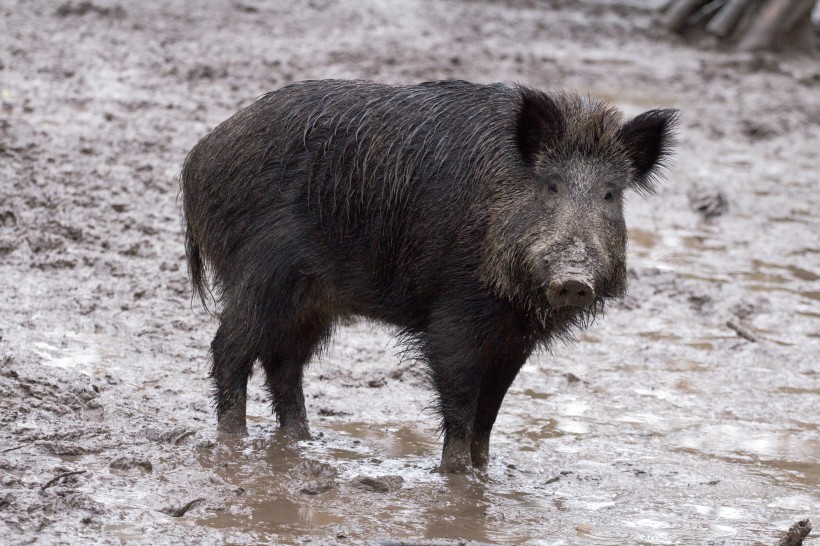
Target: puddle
x=81, y=351
x=550, y=466
x=275, y=475
x=642, y=241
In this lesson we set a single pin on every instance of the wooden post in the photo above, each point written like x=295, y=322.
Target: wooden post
x=675, y=18
x=725, y=21
x=769, y=23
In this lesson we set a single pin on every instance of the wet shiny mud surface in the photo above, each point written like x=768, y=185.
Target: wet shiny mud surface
x=687, y=415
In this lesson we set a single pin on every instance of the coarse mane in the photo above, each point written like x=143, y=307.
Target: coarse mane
x=370, y=146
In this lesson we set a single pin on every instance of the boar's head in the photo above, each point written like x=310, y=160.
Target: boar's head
x=557, y=236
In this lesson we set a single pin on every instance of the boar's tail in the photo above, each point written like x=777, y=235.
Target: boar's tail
x=196, y=269
x=191, y=213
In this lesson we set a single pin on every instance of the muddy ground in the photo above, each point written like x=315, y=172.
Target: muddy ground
x=688, y=415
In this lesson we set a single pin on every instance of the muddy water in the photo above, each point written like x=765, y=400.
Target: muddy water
x=687, y=415
x=664, y=433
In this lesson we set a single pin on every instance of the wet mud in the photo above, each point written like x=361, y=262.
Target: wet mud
x=687, y=415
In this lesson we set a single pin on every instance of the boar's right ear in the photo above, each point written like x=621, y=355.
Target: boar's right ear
x=539, y=123
x=649, y=139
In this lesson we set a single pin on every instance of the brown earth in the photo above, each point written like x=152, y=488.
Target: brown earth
x=687, y=415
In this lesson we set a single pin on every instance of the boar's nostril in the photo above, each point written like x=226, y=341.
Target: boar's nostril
x=570, y=293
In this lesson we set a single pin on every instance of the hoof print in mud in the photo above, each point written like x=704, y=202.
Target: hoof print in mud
x=708, y=203
x=379, y=484
x=130, y=463
x=179, y=511
x=317, y=487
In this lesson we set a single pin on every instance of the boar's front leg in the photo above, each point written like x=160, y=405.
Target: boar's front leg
x=474, y=351
x=455, y=371
x=507, y=358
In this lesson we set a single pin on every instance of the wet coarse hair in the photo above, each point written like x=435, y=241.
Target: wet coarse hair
x=411, y=205
x=398, y=163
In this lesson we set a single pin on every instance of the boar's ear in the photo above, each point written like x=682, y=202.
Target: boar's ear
x=649, y=139
x=539, y=123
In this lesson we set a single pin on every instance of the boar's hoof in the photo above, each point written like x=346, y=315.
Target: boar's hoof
x=232, y=429
x=295, y=430
x=455, y=459
x=232, y=420
x=480, y=450
x=570, y=293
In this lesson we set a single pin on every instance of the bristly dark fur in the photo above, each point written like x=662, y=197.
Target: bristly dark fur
x=423, y=206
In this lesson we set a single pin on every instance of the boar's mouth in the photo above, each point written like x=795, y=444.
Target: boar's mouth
x=560, y=313
x=571, y=288
x=577, y=291
x=581, y=289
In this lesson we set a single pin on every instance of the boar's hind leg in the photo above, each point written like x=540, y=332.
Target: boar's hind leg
x=232, y=365
x=497, y=378
x=291, y=346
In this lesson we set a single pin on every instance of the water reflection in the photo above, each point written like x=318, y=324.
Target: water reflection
x=85, y=352
x=793, y=453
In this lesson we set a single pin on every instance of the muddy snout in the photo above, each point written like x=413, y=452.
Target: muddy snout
x=571, y=291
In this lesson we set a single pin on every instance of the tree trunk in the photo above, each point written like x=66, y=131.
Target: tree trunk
x=750, y=24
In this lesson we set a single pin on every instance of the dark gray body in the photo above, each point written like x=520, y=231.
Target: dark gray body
x=481, y=221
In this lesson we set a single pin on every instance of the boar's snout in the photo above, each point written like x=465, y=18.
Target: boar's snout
x=573, y=292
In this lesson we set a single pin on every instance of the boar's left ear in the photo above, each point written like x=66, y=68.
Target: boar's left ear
x=539, y=123
x=649, y=139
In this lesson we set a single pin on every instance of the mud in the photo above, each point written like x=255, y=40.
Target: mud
x=661, y=425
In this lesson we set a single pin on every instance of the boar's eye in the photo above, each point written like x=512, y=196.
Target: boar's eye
x=608, y=196
x=553, y=188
